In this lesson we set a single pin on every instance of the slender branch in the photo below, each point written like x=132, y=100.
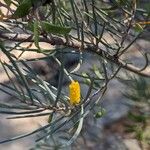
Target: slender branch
x=90, y=48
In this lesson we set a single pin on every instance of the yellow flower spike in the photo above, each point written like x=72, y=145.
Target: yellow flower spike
x=74, y=89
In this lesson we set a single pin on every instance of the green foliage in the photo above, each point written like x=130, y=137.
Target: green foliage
x=8, y=2
x=36, y=34
x=23, y=9
x=138, y=28
x=100, y=113
x=54, y=29
x=138, y=90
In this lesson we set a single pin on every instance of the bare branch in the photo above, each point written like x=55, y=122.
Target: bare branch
x=62, y=42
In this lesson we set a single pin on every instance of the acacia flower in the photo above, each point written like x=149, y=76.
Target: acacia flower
x=74, y=89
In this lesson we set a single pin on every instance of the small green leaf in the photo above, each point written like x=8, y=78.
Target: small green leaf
x=36, y=34
x=138, y=28
x=86, y=80
x=8, y=2
x=55, y=29
x=23, y=9
x=50, y=118
x=97, y=72
x=100, y=113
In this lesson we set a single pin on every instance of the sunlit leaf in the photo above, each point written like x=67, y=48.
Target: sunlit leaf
x=55, y=29
x=138, y=28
